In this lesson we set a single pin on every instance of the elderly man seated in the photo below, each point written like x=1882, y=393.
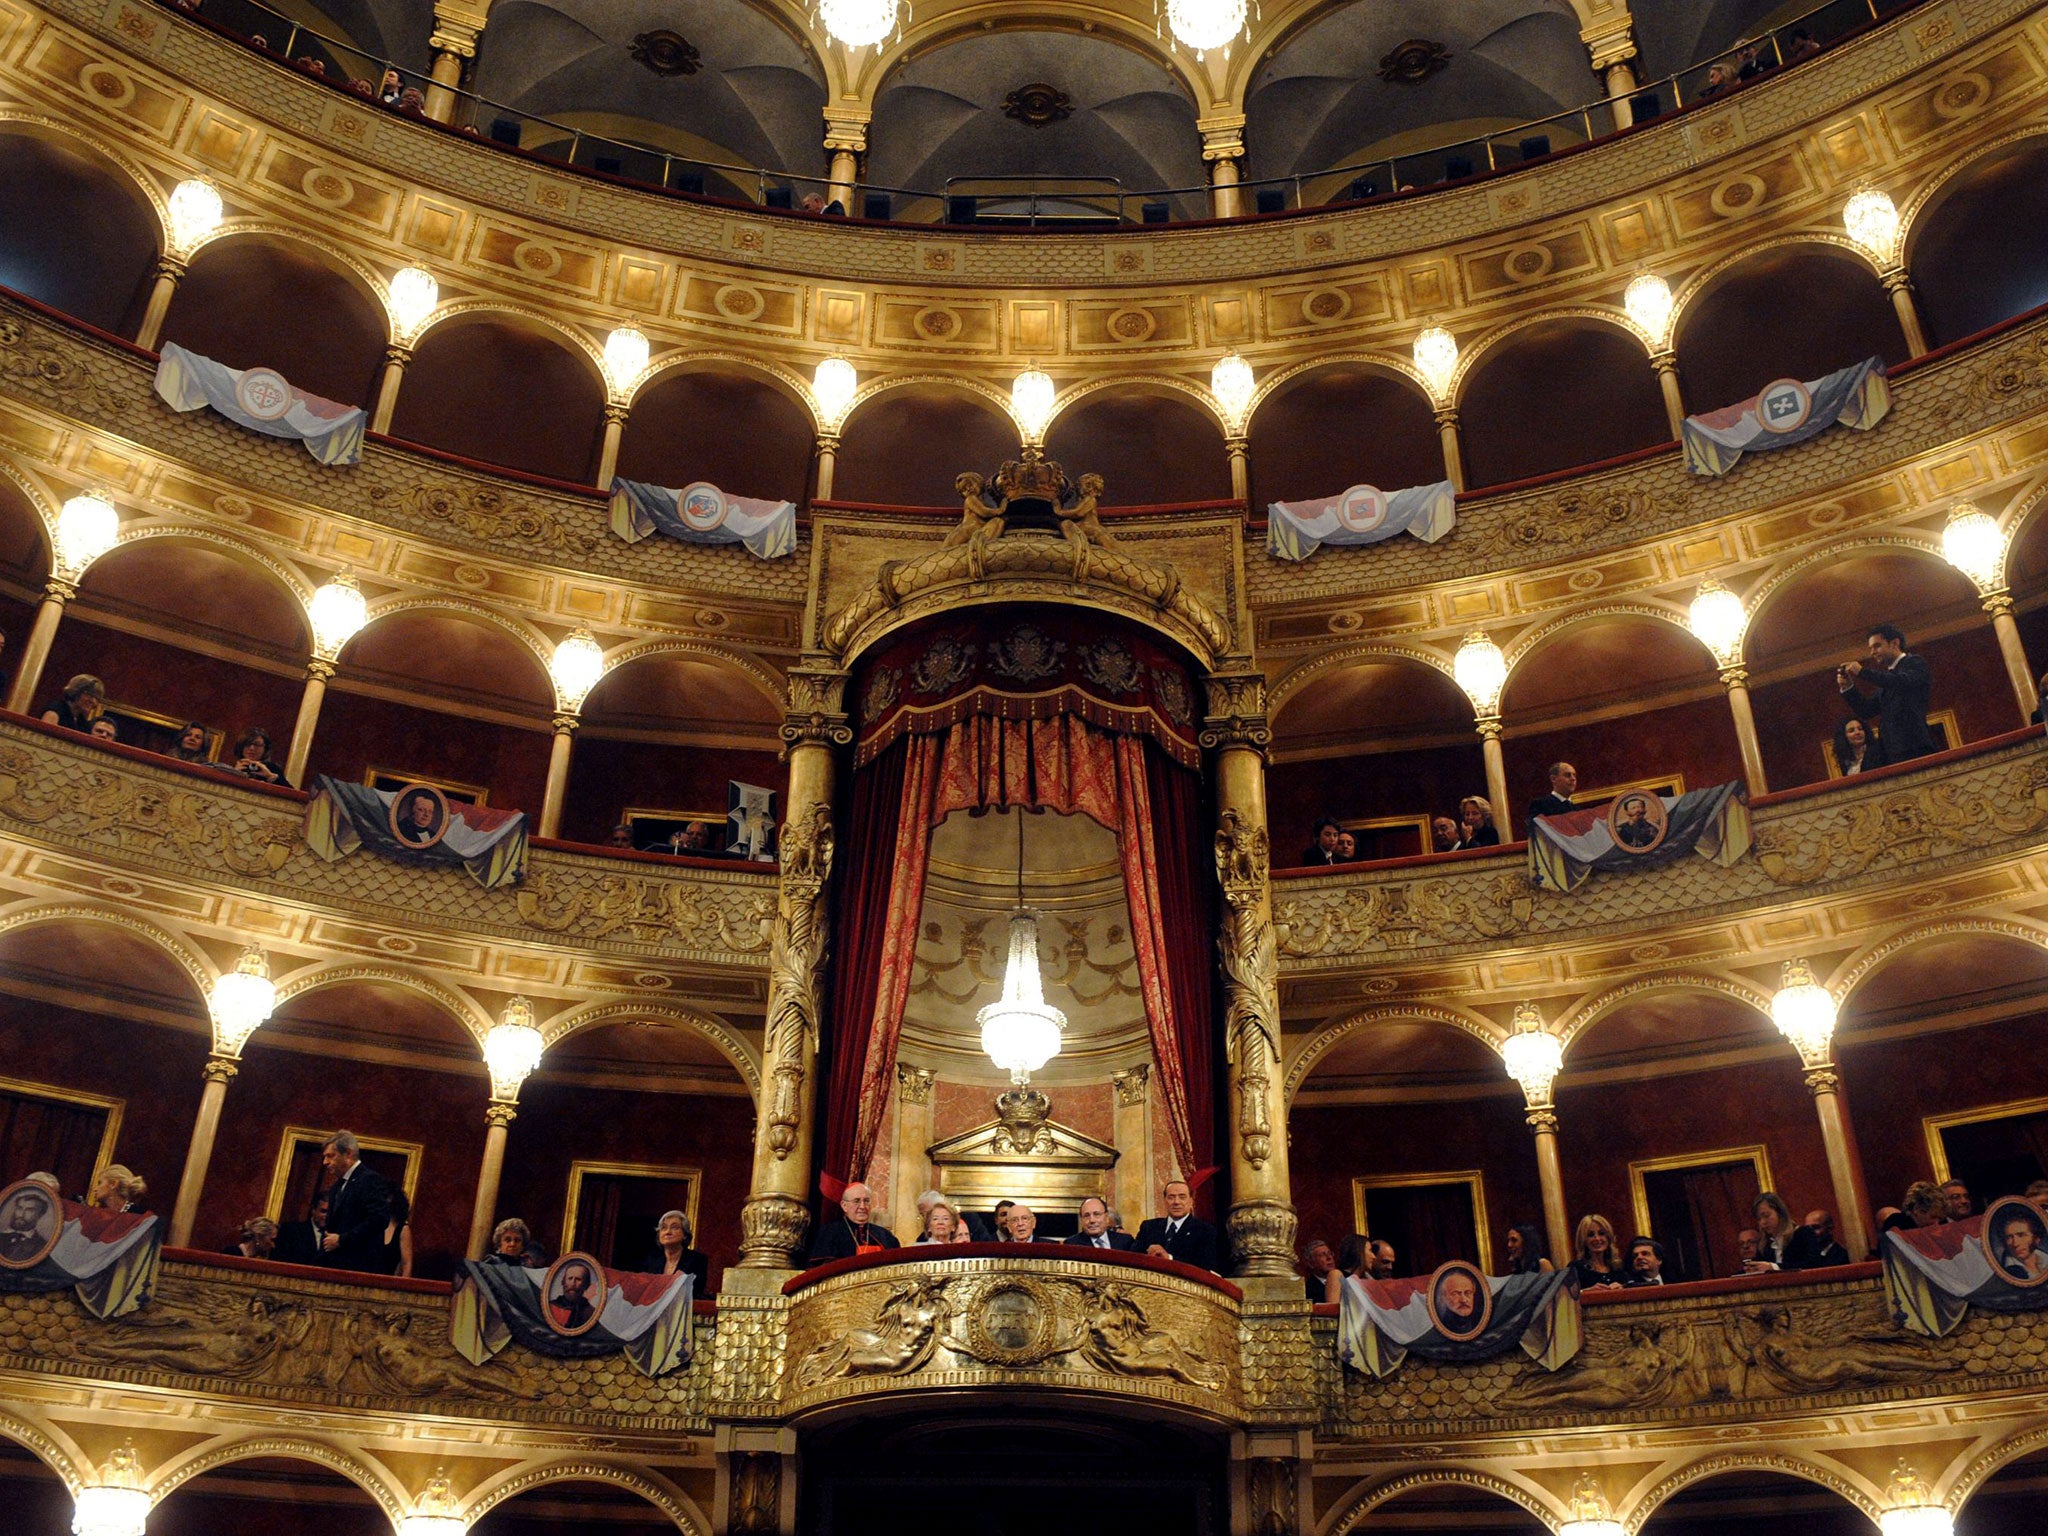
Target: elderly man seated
x=1095, y=1229
x=851, y=1232
x=1024, y=1226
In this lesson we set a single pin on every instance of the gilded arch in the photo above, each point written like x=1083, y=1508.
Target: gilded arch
x=1386, y=364
x=318, y=978
x=1642, y=1506
x=1865, y=963
x=790, y=385
x=1531, y=640
x=483, y=310
x=1576, y=1020
x=729, y=1044
x=182, y=1470
x=1303, y=673
x=294, y=584
x=1472, y=358
x=529, y=638
x=658, y=1491
x=1320, y=1044
x=145, y=186
x=61, y=1456
x=759, y=673
x=1356, y=1504
x=1164, y=383
x=343, y=263
x=33, y=914
x=1912, y=542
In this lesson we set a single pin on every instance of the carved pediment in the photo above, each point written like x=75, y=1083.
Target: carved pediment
x=1014, y=1139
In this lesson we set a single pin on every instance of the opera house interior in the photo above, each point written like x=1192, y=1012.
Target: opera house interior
x=661, y=658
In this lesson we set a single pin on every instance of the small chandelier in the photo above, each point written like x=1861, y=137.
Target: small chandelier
x=87, y=527
x=1205, y=24
x=241, y=1002
x=1975, y=545
x=1648, y=303
x=338, y=613
x=625, y=358
x=1031, y=398
x=1230, y=381
x=1804, y=1011
x=435, y=1515
x=577, y=665
x=512, y=1049
x=1482, y=671
x=116, y=1505
x=862, y=23
x=1020, y=1031
x=1591, y=1514
x=1871, y=219
x=833, y=386
x=195, y=213
x=1532, y=1054
x=1718, y=620
x=1436, y=359
x=1914, y=1510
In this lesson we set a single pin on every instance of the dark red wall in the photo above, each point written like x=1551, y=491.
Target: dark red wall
x=357, y=733
x=1557, y=394
x=1696, y=740
x=607, y=776
x=165, y=680
x=1430, y=781
x=559, y=1123
x=1306, y=439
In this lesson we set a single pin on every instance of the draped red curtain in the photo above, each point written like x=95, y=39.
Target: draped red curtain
x=1066, y=764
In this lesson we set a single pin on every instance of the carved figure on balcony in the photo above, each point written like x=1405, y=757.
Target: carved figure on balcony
x=1796, y=1357
x=1122, y=1341
x=400, y=1365
x=1661, y=1362
x=906, y=1330
x=226, y=1335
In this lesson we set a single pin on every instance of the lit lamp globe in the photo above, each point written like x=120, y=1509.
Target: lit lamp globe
x=1591, y=1514
x=435, y=1515
x=241, y=1002
x=1533, y=1055
x=338, y=613
x=1974, y=544
x=1436, y=359
x=577, y=665
x=858, y=23
x=1648, y=303
x=1872, y=222
x=1718, y=619
x=116, y=1505
x=833, y=386
x=625, y=358
x=195, y=213
x=512, y=1049
x=1804, y=1011
x=1230, y=381
x=1020, y=1032
x=87, y=527
x=1914, y=1510
x=1031, y=399
x=1205, y=24
x=1482, y=671
x=413, y=295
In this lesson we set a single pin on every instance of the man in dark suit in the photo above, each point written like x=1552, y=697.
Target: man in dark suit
x=1024, y=1226
x=1826, y=1251
x=1564, y=778
x=851, y=1232
x=1180, y=1234
x=358, y=1206
x=1095, y=1231
x=1317, y=1261
x=1892, y=687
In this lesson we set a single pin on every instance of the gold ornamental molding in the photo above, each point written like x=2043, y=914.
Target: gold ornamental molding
x=325, y=1453
x=462, y=1009
x=575, y=1020
x=1325, y=1039
x=1360, y=1505
x=664, y=1495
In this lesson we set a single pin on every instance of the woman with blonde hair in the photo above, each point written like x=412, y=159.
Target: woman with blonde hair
x=115, y=1188
x=940, y=1225
x=1599, y=1261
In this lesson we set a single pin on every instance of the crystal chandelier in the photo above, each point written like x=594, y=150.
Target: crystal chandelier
x=1804, y=1011
x=1020, y=1032
x=87, y=526
x=1975, y=545
x=241, y=1002
x=577, y=665
x=512, y=1049
x=338, y=612
x=1205, y=24
x=861, y=23
x=1031, y=401
x=1532, y=1055
x=414, y=294
x=1718, y=619
x=1649, y=306
x=1230, y=381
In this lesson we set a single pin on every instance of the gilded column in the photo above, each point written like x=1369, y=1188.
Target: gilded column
x=775, y=1217
x=318, y=671
x=1852, y=1203
x=1557, y=1226
x=1611, y=47
x=913, y=1134
x=1133, y=1138
x=1900, y=287
x=827, y=448
x=1998, y=603
x=1240, y=467
x=1222, y=150
x=1488, y=727
x=846, y=140
x=395, y=359
x=169, y=271
x=1261, y=1217
x=483, y=1215
x=1666, y=364
x=1736, y=680
x=456, y=28
x=21, y=694
x=1447, y=435
x=557, y=789
x=615, y=414
x=220, y=1071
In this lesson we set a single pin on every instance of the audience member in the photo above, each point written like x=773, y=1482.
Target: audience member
x=1180, y=1234
x=1855, y=752
x=852, y=1232
x=1525, y=1250
x=1564, y=779
x=1316, y=1263
x=115, y=1188
x=693, y=838
x=298, y=1242
x=1923, y=1204
x=1095, y=1233
x=1383, y=1259
x=1889, y=1219
x=1024, y=1226
x=1800, y=46
x=620, y=836
x=1956, y=1202
x=674, y=1255
x=359, y=1206
x=1720, y=79
x=967, y=1227
x=512, y=1244
x=83, y=701
x=1645, y=1262
x=998, y=1222
x=104, y=729
x=1116, y=1221
x=255, y=1239
x=412, y=100
x=1892, y=687
x=940, y=1225
x=190, y=746
x=1747, y=1242
x=1781, y=1245
x=1323, y=850
x=1347, y=848
x=252, y=757
x=1354, y=1259
x=1443, y=834
x=1475, y=823
x=1599, y=1264
x=389, y=91
x=397, y=1257
x=1827, y=1252
x=2041, y=709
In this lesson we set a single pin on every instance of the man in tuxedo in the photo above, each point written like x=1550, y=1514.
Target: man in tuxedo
x=1024, y=1226
x=1826, y=1251
x=358, y=1206
x=851, y=1232
x=1892, y=687
x=1564, y=778
x=1180, y=1234
x=1383, y=1259
x=1645, y=1262
x=1095, y=1231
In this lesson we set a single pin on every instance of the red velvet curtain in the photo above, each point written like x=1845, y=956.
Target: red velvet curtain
x=1063, y=764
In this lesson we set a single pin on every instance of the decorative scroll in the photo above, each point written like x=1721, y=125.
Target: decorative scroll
x=1787, y=412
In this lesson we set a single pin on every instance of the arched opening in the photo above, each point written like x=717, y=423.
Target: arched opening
x=663, y=735
x=185, y=630
x=90, y=245
x=1383, y=745
x=1796, y=311
x=32, y=1489
x=1417, y=1141
x=233, y=302
x=1677, y=1107
x=1756, y=1503
x=413, y=1088
x=1626, y=699
x=577, y=1504
x=2012, y=1501
x=2026, y=568
x=441, y=695
x=887, y=453
x=621, y=1122
x=1821, y=617
x=1675, y=35
x=24, y=564
x=248, y=1498
x=736, y=430
x=1308, y=438
x=503, y=390
x=1149, y=446
x=1555, y=395
x=1451, y=1509
x=1940, y=1048
x=1972, y=262
x=107, y=1033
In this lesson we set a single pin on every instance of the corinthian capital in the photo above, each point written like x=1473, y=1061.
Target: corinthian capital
x=457, y=27
x=1237, y=712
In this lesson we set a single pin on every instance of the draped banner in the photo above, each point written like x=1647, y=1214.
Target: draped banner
x=416, y=825
x=703, y=514
x=574, y=1309
x=262, y=400
x=1093, y=727
x=1458, y=1314
x=1998, y=1261
x=108, y=1258
x=1362, y=515
x=1639, y=827
x=1785, y=413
